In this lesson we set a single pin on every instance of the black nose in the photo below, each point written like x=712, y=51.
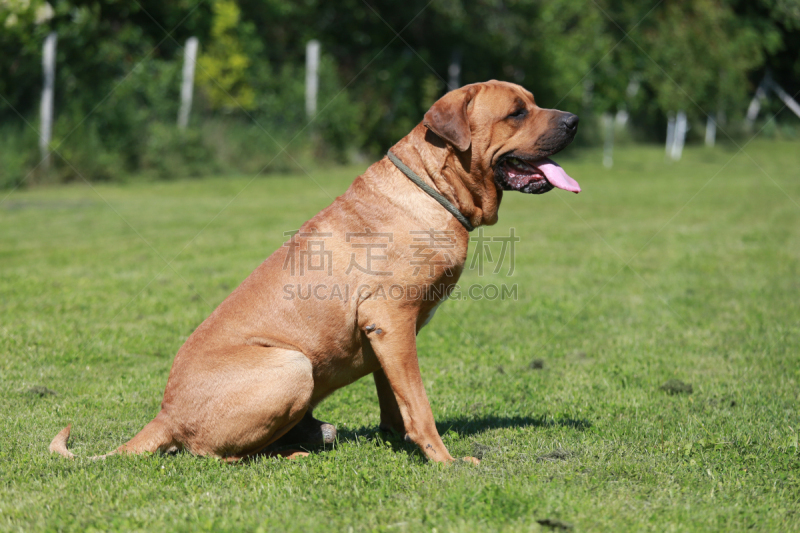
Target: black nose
x=570, y=122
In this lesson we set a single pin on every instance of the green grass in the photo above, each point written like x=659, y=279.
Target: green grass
x=687, y=271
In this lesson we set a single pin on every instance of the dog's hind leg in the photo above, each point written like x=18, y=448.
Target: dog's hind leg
x=154, y=437
x=253, y=397
x=391, y=418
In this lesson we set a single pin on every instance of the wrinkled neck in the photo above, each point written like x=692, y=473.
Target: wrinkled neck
x=456, y=176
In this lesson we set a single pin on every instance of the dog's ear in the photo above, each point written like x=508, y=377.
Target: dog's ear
x=448, y=118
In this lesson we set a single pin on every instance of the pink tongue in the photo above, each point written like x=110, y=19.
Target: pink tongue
x=557, y=177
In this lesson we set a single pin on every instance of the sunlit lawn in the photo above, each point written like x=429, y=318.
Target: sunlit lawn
x=687, y=271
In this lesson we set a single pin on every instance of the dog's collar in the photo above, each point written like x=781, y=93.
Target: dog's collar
x=433, y=193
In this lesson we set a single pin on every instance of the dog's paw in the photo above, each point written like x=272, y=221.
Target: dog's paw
x=471, y=460
x=292, y=454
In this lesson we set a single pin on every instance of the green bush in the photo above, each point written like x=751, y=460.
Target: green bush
x=170, y=153
x=85, y=152
x=133, y=130
x=18, y=155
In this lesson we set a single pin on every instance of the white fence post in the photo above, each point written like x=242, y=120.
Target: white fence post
x=785, y=98
x=312, y=77
x=755, y=104
x=680, y=135
x=761, y=94
x=454, y=71
x=187, y=86
x=608, y=145
x=711, y=131
x=670, y=133
x=621, y=118
x=49, y=68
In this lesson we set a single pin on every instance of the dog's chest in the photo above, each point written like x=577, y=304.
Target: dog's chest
x=341, y=368
x=427, y=315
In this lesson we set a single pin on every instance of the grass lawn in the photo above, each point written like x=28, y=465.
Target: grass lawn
x=688, y=271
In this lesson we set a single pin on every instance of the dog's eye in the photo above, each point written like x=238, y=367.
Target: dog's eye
x=519, y=113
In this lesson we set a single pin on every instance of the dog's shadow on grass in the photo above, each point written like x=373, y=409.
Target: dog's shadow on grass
x=463, y=426
x=472, y=425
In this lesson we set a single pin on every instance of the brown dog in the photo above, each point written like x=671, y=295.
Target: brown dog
x=347, y=295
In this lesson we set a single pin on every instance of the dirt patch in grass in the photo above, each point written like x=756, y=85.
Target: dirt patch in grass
x=554, y=523
x=479, y=451
x=676, y=386
x=40, y=391
x=559, y=454
x=536, y=364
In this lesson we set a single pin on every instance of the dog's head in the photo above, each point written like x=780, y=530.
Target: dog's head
x=498, y=133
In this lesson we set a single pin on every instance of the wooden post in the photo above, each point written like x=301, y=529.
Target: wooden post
x=49, y=68
x=187, y=86
x=312, y=77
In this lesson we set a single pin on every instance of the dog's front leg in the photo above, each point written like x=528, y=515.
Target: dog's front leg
x=392, y=335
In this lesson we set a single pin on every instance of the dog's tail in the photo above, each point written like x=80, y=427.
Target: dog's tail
x=59, y=444
x=152, y=438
